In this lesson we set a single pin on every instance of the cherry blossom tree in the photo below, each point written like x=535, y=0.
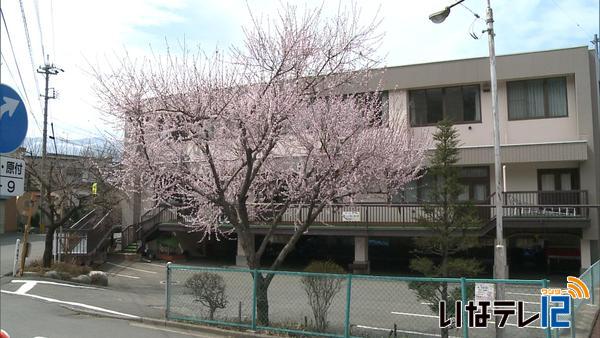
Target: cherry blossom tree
x=271, y=126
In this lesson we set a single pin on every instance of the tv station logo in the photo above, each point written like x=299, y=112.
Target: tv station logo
x=555, y=309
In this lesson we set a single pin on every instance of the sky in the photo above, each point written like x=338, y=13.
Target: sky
x=81, y=35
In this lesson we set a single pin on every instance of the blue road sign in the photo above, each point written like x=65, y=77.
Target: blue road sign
x=13, y=119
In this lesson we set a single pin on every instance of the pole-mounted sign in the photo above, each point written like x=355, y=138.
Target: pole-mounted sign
x=13, y=119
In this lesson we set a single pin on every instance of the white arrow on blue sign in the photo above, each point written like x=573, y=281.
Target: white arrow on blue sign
x=13, y=119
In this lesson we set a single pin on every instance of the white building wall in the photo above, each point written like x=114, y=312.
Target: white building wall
x=512, y=132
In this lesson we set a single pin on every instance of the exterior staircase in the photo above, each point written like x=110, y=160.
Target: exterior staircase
x=89, y=239
x=132, y=248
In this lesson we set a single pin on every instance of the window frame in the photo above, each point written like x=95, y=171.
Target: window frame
x=478, y=102
x=421, y=192
x=546, y=111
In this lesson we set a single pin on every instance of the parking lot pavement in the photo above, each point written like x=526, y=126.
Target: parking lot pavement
x=138, y=288
x=26, y=314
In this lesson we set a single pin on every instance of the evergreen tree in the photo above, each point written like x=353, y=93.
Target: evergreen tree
x=449, y=220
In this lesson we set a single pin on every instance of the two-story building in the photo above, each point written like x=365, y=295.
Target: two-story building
x=550, y=148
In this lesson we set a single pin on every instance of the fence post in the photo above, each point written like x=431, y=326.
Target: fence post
x=255, y=277
x=348, y=300
x=573, y=326
x=548, y=329
x=167, y=291
x=592, y=284
x=463, y=298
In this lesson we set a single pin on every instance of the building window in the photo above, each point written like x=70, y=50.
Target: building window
x=459, y=104
x=380, y=101
x=535, y=99
x=474, y=181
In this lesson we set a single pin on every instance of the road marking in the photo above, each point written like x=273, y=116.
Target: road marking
x=426, y=303
x=413, y=314
x=171, y=282
x=401, y=331
x=125, y=276
x=23, y=289
x=54, y=283
x=130, y=268
x=154, y=264
x=152, y=327
x=523, y=294
x=58, y=301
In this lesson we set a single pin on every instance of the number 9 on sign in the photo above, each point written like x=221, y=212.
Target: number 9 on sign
x=11, y=186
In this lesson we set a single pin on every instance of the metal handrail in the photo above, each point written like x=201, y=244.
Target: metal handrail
x=82, y=219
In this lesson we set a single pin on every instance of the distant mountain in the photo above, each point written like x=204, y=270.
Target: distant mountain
x=68, y=147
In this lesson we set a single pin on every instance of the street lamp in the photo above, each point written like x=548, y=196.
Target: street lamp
x=500, y=264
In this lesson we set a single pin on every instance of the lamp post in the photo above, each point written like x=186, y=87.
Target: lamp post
x=500, y=263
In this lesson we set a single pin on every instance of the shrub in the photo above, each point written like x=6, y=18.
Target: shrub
x=209, y=289
x=63, y=270
x=322, y=290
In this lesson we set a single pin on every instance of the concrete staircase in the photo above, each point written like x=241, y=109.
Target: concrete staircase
x=131, y=248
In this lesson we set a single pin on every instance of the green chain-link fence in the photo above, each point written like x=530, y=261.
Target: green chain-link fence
x=346, y=305
x=583, y=311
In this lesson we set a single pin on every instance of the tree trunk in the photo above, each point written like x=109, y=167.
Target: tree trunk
x=262, y=300
x=47, y=258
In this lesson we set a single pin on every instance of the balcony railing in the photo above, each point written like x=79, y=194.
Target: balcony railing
x=568, y=197
x=517, y=205
x=571, y=203
x=374, y=214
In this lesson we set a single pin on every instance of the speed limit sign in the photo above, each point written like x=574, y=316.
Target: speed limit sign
x=12, y=176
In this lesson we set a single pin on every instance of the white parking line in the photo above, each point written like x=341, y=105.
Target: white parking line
x=151, y=327
x=154, y=264
x=91, y=307
x=523, y=294
x=130, y=268
x=436, y=317
x=413, y=314
x=53, y=283
x=120, y=275
x=28, y=285
x=401, y=331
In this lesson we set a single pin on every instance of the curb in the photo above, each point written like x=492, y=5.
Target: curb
x=173, y=324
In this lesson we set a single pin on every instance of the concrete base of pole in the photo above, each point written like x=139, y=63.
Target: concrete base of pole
x=500, y=272
x=500, y=260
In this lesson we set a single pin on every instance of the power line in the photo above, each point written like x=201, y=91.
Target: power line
x=12, y=49
x=21, y=93
x=37, y=85
x=570, y=17
x=67, y=127
x=52, y=22
x=37, y=14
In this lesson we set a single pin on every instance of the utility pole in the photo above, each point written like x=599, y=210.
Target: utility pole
x=596, y=43
x=47, y=69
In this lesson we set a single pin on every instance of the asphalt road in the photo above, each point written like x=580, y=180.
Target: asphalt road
x=138, y=288
x=376, y=304
x=7, y=250
x=25, y=317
